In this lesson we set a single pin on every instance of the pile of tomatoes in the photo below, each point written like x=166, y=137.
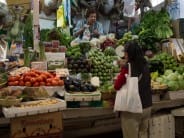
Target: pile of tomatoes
x=35, y=78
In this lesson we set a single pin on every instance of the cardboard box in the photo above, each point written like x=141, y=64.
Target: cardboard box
x=39, y=65
x=47, y=125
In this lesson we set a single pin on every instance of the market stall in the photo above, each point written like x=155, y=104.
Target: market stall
x=65, y=83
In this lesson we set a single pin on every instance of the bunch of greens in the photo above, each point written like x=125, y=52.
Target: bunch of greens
x=154, y=27
x=57, y=34
x=28, y=31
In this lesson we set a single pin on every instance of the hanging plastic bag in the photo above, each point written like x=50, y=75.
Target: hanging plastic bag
x=129, y=8
x=86, y=34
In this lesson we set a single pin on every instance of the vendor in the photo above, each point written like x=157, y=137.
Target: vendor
x=95, y=27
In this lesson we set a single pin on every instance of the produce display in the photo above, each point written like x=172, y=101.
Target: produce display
x=107, y=43
x=10, y=97
x=102, y=66
x=154, y=27
x=109, y=51
x=10, y=94
x=19, y=71
x=76, y=85
x=35, y=78
x=107, y=88
x=74, y=52
x=79, y=65
x=173, y=79
x=3, y=78
x=168, y=61
x=86, y=67
x=126, y=37
x=46, y=102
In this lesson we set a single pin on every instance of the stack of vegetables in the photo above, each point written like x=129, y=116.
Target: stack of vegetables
x=173, y=79
x=168, y=61
x=171, y=76
x=35, y=78
x=76, y=85
x=126, y=37
x=102, y=65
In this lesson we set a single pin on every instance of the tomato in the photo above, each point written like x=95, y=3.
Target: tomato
x=33, y=80
x=21, y=78
x=12, y=78
x=56, y=79
x=42, y=83
x=21, y=83
x=44, y=77
x=54, y=83
x=49, y=80
x=39, y=79
x=33, y=74
x=27, y=78
x=28, y=84
x=17, y=78
x=10, y=83
x=16, y=83
x=48, y=84
x=60, y=82
x=36, y=84
x=50, y=76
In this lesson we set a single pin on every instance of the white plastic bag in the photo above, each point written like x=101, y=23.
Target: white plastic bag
x=129, y=8
x=127, y=98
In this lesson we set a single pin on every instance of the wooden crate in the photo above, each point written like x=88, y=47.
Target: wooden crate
x=179, y=121
x=83, y=96
x=172, y=95
x=47, y=125
x=34, y=108
x=162, y=126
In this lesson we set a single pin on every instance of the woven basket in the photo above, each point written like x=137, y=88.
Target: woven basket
x=9, y=102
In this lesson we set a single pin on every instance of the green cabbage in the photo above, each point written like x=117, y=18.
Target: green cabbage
x=173, y=85
x=168, y=71
x=180, y=77
x=159, y=79
x=172, y=77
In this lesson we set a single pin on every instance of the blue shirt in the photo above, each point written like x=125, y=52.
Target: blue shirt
x=96, y=26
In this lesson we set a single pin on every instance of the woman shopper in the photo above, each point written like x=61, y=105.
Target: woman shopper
x=135, y=125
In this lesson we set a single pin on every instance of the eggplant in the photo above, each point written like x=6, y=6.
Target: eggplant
x=68, y=81
x=91, y=88
x=77, y=89
x=84, y=88
x=71, y=87
x=76, y=83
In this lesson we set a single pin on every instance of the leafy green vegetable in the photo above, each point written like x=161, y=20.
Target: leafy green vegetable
x=154, y=27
